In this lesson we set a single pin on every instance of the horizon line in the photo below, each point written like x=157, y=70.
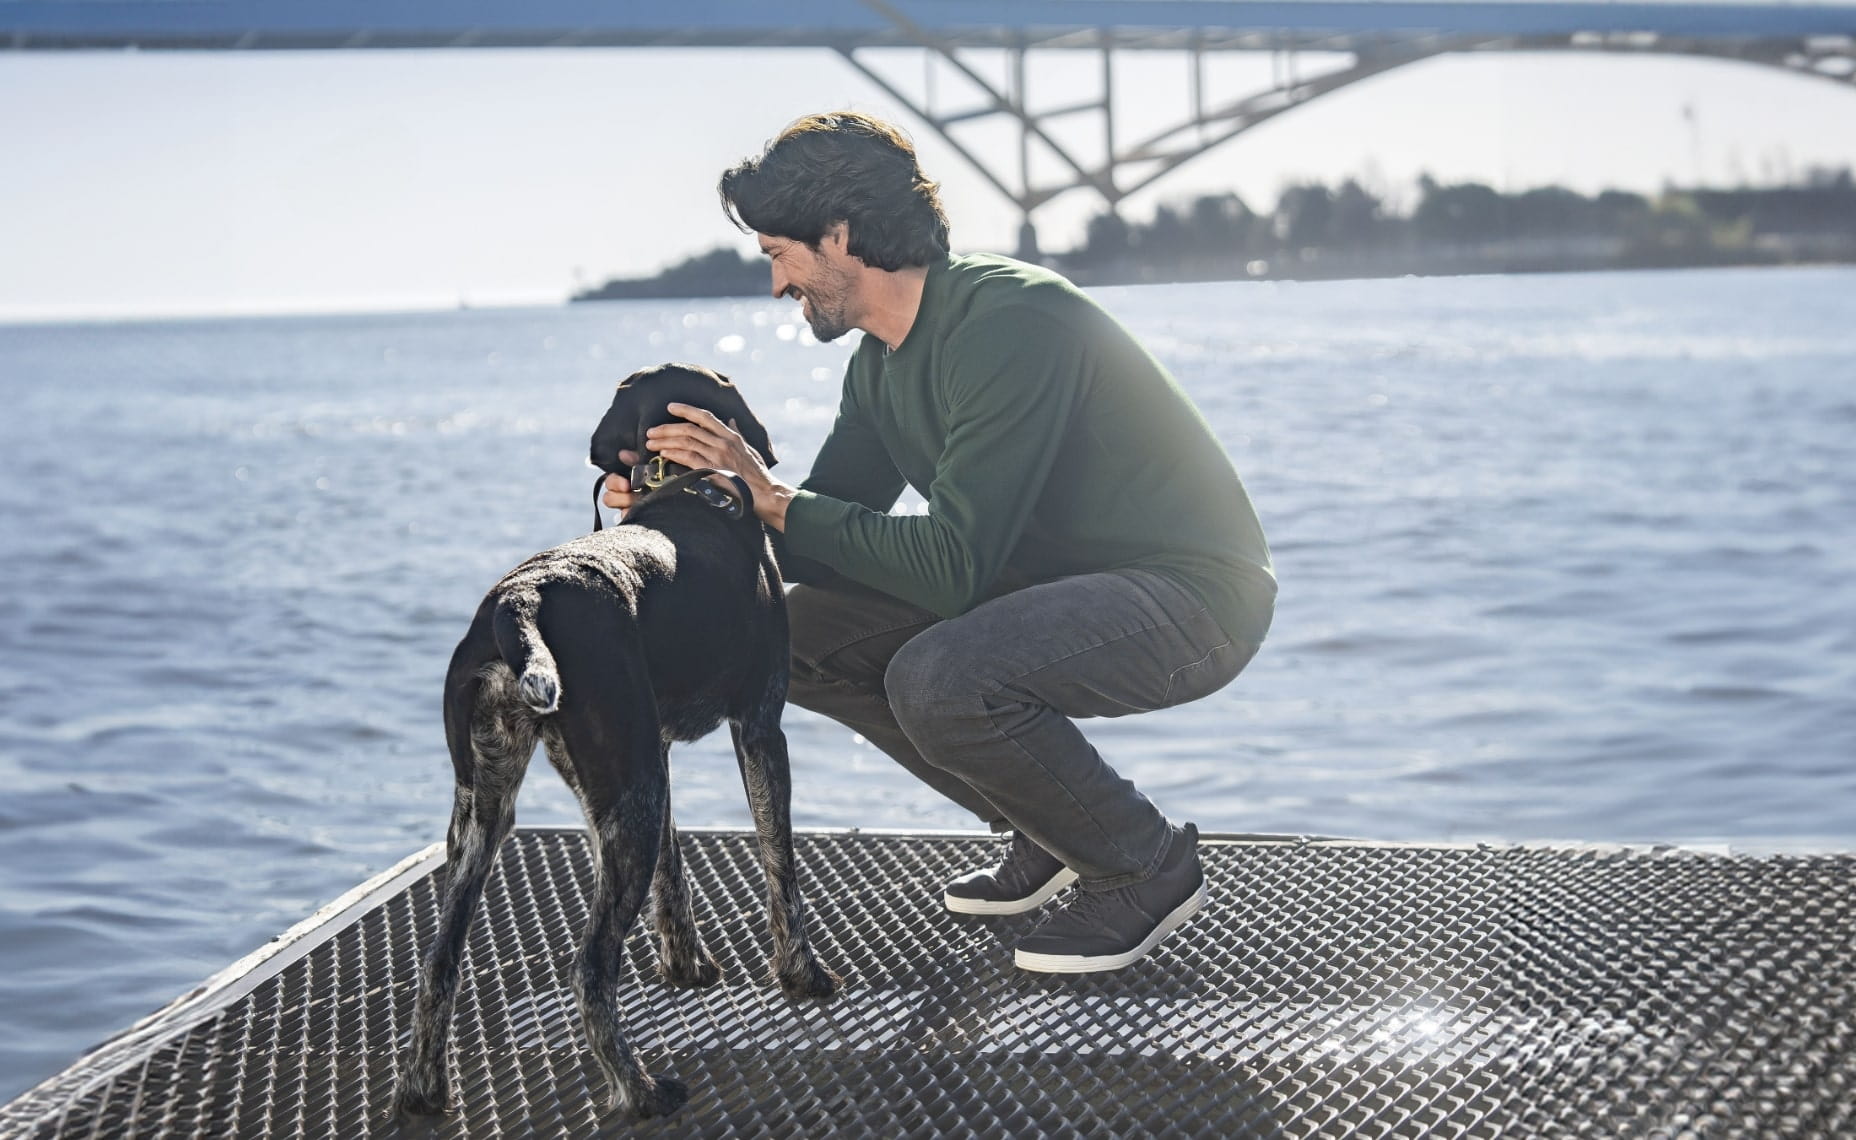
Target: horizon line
x=411, y=303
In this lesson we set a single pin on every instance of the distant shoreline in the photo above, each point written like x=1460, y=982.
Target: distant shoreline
x=1346, y=233
x=753, y=282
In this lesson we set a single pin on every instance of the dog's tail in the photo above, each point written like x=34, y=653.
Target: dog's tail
x=518, y=638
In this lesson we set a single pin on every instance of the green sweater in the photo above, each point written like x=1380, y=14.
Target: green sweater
x=1047, y=443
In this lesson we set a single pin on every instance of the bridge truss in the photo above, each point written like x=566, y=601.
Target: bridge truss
x=1117, y=168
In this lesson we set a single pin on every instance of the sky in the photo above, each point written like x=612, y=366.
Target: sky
x=158, y=184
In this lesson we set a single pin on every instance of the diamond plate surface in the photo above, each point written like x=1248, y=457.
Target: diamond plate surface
x=1329, y=989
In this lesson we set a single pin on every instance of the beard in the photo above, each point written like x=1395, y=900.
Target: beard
x=826, y=308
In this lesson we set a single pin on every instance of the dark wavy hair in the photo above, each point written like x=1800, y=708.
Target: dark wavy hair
x=847, y=167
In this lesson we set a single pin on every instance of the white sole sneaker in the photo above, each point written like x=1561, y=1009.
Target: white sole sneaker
x=1079, y=964
x=1031, y=901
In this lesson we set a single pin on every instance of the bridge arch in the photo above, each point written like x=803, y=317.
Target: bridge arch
x=1128, y=167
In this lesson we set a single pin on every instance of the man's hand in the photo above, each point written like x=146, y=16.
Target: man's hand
x=702, y=440
x=618, y=494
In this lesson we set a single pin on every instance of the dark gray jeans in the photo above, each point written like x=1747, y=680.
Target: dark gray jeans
x=979, y=707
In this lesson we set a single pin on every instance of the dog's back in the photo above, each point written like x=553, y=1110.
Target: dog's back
x=678, y=590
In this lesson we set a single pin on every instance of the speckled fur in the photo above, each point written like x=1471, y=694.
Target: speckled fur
x=607, y=649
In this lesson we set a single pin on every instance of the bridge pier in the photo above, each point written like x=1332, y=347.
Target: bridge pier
x=1028, y=242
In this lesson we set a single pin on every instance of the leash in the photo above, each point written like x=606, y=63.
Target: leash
x=656, y=481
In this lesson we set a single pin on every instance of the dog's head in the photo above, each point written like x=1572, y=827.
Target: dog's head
x=641, y=404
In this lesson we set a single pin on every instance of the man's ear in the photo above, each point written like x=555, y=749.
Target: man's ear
x=838, y=236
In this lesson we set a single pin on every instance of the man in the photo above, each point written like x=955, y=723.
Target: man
x=1087, y=549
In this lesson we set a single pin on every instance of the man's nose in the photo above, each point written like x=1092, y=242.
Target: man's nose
x=780, y=283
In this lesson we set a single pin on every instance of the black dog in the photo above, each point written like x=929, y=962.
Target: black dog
x=607, y=649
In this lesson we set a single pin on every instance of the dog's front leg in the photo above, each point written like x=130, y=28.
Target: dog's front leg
x=682, y=959
x=760, y=746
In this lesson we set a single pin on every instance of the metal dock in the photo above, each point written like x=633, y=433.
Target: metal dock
x=1330, y=989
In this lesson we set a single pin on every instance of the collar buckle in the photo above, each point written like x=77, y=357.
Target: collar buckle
x=652, y=474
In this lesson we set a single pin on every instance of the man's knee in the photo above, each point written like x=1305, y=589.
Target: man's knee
x=930, y=682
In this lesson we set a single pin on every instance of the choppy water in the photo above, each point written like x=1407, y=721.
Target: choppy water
x=1562, y=557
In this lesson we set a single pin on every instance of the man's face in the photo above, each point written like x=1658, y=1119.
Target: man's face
x=821, y=280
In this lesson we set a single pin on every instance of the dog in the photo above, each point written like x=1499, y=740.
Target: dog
x=606, y=649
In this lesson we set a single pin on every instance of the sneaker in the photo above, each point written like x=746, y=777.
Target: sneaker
x=1106, y=930
x=1023, y=881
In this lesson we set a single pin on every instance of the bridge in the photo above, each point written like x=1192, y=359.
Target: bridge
x=1367, y=37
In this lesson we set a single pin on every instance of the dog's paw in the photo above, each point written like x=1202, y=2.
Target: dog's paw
x=806, y=978
x=411, y=1103
x=660, y=1096
x=693, y=974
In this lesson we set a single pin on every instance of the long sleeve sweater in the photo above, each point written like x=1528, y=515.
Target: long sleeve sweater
x=1046, y=441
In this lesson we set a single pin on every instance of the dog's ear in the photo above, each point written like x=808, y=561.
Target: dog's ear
x=745, y=422
x=618, y=428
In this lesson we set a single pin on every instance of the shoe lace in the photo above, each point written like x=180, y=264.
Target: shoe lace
x=1094, y=904
x=1014, y=854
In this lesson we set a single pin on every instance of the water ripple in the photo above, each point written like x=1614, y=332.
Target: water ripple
x=1561, y=558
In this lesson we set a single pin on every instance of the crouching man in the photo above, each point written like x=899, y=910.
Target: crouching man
x=1087, y=551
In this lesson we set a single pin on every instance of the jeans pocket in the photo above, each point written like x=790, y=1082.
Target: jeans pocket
x=1205, y=676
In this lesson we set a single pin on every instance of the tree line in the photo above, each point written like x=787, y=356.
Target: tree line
x=1344, y=230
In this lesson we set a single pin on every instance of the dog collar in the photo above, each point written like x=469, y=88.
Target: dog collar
x=695, y=481
x=655, y=472
x=734, y=506
x=691, y=481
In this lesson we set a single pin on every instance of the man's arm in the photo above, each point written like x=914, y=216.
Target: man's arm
x=852, y=466
x=1013, y=378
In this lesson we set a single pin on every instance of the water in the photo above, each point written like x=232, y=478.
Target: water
x=1562, y=558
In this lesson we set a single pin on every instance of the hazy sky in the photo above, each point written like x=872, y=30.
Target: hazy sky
x=145, y=184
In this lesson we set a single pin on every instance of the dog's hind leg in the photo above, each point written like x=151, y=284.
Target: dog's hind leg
x=491, y=735
x=609, y=736
x=682, y=959
x=760, y=746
